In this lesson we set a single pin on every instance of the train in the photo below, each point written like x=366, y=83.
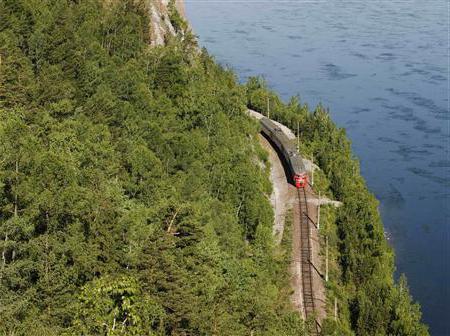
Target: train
x=292, y=158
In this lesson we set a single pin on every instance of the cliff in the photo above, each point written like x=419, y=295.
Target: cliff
x=161, y=25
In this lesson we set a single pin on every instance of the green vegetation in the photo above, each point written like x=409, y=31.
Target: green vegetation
x=370, y=302
x=131, y=198
x=132, y=201
x=178, y=23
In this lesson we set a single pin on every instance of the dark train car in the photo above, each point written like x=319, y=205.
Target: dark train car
x=290, y=155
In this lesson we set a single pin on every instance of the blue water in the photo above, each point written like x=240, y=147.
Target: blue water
x=382, y=69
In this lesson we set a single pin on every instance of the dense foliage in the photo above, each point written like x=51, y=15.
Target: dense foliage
x=132, y=198
x=371, y=303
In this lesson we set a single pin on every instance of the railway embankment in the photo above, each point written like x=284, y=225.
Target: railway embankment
x=307, y=284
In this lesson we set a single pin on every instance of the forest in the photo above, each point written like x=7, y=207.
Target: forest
x=134, y=194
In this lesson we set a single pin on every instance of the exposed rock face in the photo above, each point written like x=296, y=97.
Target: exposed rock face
x=158, y=10
x=161, y=27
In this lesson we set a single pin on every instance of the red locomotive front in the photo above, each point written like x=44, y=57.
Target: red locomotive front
x=300, y=180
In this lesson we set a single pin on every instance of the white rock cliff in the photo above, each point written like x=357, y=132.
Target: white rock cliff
x=161, y=27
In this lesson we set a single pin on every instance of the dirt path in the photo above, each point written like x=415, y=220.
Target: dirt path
x=281, y=199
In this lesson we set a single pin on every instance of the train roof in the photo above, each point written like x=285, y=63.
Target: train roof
x=289, y=149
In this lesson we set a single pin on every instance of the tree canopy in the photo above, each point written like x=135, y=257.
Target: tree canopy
x=131, y=199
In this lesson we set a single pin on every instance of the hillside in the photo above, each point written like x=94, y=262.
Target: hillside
x=162, y=26
x=133, y=200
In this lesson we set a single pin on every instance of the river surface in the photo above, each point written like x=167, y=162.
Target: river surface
x=382, y=69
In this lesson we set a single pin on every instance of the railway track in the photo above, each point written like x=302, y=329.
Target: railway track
x=306, y=256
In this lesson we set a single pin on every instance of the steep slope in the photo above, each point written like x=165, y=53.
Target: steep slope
x=131, y=199
x=161, y=24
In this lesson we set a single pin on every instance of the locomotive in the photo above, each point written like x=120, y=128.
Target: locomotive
x=289, y=153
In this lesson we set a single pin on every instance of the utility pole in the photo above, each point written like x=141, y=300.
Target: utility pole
x=298, y=136
x=268, y=107
x=318, y=212
x=326, y=259
x=312, y=170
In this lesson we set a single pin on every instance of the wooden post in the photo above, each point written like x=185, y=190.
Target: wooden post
x=318, y=212
x=4, y=256
x=169, y=227
x=326, y=259
x=268, y=108
x=335, y=308
x=312, y=170
x=16, y=197
x=298, y=136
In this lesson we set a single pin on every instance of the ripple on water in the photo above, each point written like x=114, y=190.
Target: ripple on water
x=400, y=112
x=210, y=40
x=294, y=37
x=359, y=55
x=415, y=71
x=251, y=39
x=409, y=153
x=256, y=52
x=378, y=99
x=388, y=140
x=439, y=78
x=433, y=146
x=429, y=176
x=393, y=196
x=425, y=46
x=425, y=72
x=440, y=164
x=245, y=71
x=437, y=111
x=240, y=32
x=386, y=57
x=334, y=72
x=351, y=124
x=358, y=110
x=400, y=179
x=422, y=126
x=268, y=28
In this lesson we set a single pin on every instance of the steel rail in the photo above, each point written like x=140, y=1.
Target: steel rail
x=306, y=260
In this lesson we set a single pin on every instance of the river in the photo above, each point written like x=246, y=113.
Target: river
x=382, y=69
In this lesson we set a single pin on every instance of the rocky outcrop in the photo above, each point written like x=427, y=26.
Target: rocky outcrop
x=161, y=26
